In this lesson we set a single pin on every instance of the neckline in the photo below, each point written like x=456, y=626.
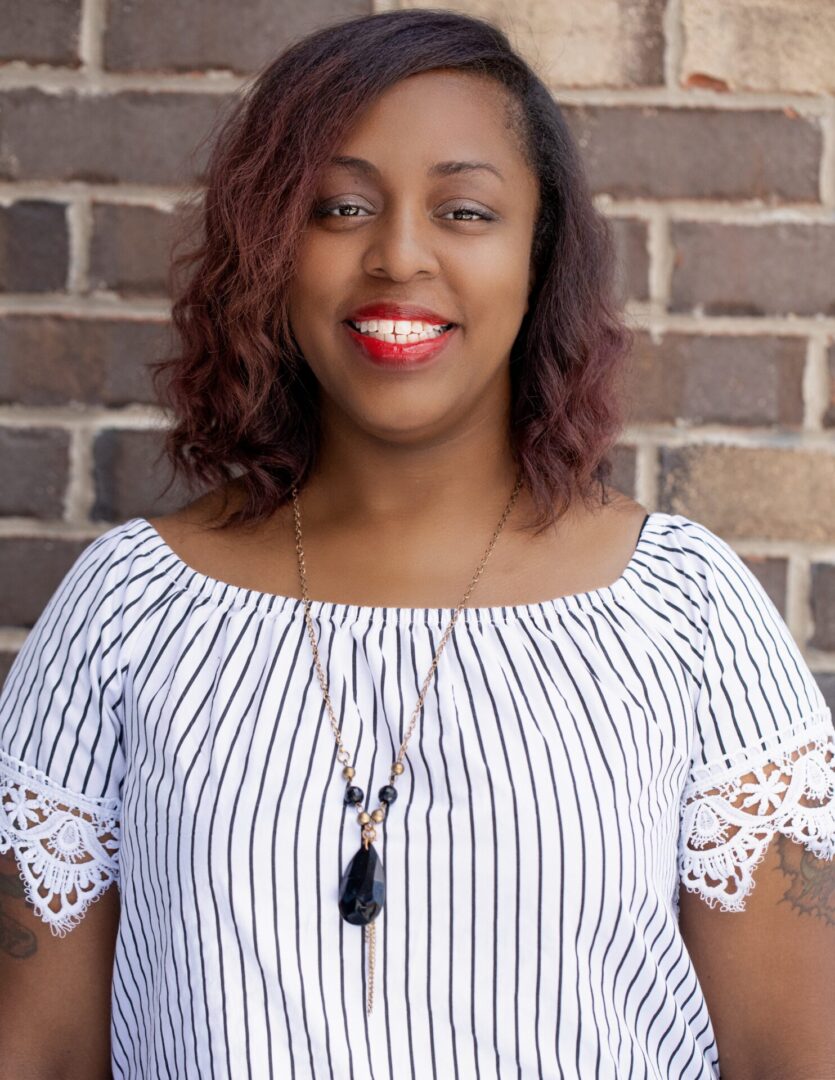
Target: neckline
x=224, y=594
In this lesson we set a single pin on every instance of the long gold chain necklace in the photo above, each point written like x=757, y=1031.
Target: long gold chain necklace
x=362, y=888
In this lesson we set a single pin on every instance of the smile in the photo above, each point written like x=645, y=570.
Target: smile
x=400, y=331
x=399, y=344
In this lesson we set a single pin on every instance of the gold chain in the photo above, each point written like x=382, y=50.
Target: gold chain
x=368, y=832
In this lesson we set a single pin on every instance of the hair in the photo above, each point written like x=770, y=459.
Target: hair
x=244, y=401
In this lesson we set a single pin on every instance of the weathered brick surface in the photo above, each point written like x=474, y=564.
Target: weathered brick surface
x=42, y=33
x=823, y=606
x=772, y=575
x=31, y=568
x=34, y=468
x=53, y=360
x=658, y=152
x=149, y=138
x=829, y=414
x=157, y=35
x=771, y=269
x=754, y=45
x=623, y=468
x=7, y=657
x=130, y=249
x=129, y=479
x=633, y=258
x=573, y=43
x=751, y=493
x=34, y=246
x=717, y=379
x=77, y=128
x=826, y=681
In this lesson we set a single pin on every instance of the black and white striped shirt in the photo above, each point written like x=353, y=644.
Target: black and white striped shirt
x=575, y=760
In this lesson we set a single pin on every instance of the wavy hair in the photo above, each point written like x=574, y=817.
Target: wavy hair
x=243, y=400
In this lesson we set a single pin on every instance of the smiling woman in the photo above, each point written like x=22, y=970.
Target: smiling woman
x=399, y=159
x=400, y=321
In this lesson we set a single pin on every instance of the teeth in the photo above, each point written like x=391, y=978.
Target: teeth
x=395, y=326
x=401, y=331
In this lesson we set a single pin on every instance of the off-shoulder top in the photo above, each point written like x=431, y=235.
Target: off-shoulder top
x=576, y=762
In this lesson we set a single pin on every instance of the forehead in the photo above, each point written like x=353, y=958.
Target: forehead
x=449, y=114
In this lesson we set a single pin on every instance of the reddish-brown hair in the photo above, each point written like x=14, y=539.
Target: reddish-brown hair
x=244, y=401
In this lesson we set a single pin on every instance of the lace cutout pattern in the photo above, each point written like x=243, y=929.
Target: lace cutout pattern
x=66, y=845
x=786, y=784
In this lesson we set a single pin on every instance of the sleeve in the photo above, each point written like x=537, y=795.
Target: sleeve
x=763, y=753
x=61, y=742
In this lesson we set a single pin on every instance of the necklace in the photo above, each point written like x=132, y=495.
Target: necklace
x=362, y=888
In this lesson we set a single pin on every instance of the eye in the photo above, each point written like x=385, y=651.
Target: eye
x=327, y=211
x=332, y=211
x=469, y=210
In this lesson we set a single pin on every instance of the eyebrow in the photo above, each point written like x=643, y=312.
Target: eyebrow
x=440, y=168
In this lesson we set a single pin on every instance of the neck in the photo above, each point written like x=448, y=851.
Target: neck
x=445, y=486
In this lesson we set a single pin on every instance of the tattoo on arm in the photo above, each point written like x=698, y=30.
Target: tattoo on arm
x=812, y=889
x=15, y=939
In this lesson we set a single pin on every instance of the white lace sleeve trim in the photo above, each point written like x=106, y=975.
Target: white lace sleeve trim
x=785, y=784
x=66, y=844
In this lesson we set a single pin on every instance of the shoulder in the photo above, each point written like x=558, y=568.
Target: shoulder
x=691, y=546
x=684, y=577
x=106, y=562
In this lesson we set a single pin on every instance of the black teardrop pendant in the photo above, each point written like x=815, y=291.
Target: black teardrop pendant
x=362, y=890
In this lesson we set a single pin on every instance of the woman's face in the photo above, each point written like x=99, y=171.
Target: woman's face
x=454, y=242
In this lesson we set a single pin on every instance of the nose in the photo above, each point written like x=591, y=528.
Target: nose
x=400, y=244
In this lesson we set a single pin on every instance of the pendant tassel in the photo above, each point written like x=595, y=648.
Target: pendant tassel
x=370, y=941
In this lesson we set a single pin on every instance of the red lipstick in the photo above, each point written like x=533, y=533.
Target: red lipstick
x=398, y=355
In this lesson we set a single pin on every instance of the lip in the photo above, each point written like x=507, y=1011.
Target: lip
x=382, y=309
x=387, y=354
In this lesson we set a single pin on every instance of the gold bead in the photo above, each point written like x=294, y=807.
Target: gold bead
x=378, y=814
x=348, y=772
x=363, y=818
x=397, y=767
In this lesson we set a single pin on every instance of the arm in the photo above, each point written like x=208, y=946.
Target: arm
x=768, y=972
x=54, y=991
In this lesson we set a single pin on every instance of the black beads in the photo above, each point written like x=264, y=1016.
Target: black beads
x=387, y=794
x=354, y=795
x=362, y=890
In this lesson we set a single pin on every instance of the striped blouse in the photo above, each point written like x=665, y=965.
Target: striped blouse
x=575, y=761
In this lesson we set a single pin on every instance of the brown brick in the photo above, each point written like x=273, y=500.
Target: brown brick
x=775, y=269
x=623, y=468
x=7, y=657
x=661, y=152
x=34, y=246
x=42, y=33
x=779, y=46
x=829, y=415
x=143, y=138
x=751, y=492
x=130, y=249
x=823, y=606
x=826, y=682
x=33, y=471
x=160, y=36
x=720, y=379
x=633, y=259
x=130, y=477
x=771, y=573
x=31, y=568
x=571, y=43
x=52, y=359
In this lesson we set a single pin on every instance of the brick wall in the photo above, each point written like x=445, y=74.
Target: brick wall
x=708, y=130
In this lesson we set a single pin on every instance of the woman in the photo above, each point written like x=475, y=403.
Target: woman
x=389, y=833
